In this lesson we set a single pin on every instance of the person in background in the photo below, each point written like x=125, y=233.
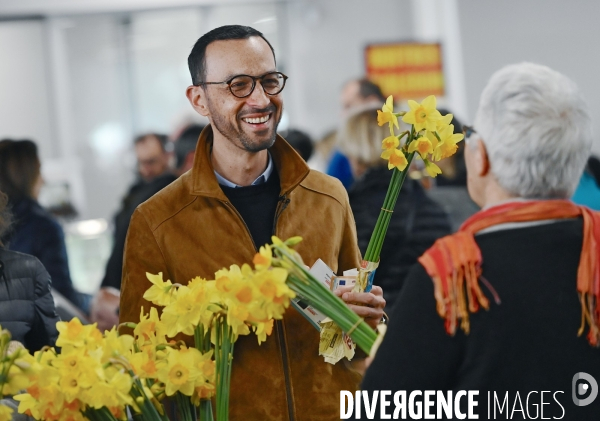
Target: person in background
x=150, y=149
x=153, y=175
x=152, y=156
x=301, y=142
x=450, y=187
x=26, y=305
x=588, y=189
x=454, y=169
x=360, y=93
x=528, y=321
x=355, y=94
x=417, y=220
x=34, y=231
x=185, y=148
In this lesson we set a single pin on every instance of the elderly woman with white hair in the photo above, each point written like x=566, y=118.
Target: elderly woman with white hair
x=509, y=304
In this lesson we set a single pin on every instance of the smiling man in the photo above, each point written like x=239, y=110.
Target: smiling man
x=247, y=184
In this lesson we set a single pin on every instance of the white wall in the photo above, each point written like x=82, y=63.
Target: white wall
x=326, y=41
x=25, y=110
x=560, y=34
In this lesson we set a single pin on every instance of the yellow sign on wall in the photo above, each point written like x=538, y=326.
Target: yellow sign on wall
x=406, y=70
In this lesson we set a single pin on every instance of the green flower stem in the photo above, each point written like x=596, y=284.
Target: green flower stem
x=202, y=339
x=148, y=410
x=362, y=335
x=304, y=284
x=377, y=231
x=206, y=413
x=383, y=221
x=391, y=205
x=185, y=409
x=223, y=358
x=102, y=414
x=106, y=414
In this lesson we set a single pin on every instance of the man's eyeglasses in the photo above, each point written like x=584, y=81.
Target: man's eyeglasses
x=242, y=86
x=468, y=131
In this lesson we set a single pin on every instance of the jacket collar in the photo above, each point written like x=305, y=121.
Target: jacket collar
x=289, y=165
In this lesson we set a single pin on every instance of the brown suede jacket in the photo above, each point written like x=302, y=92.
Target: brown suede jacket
x=190, y=229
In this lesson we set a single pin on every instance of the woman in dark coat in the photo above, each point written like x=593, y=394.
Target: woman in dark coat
x=417, y=220
x=26, y=305
x=34, y=230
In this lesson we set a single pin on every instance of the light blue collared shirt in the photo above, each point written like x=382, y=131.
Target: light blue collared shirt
x=259, y=180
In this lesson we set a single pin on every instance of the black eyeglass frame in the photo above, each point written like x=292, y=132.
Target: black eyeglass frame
x=468, y=131
x=254, y=79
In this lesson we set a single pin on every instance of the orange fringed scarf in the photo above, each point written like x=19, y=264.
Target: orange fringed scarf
x=454, y=262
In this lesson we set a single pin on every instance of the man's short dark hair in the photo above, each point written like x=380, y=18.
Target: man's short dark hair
x=366, y=89
x=197, y=58
x=162, y=139
x=19, y=168
x=186, y=143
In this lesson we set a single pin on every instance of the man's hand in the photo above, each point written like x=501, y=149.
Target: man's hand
x=368, y=305
x=104, y=308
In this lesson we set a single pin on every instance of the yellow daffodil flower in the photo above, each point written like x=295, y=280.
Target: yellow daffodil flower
x=112, y=394
x=432, y=169
x=262, y=259
x=70, y=333
x=422, y=146
x=237, y=315
x=386, y=114
x=390, y=142
x=28, y=405
x=395, y=159
x=275, y=294
x=183, y=314
x=161, y=292
x=262, y=330
x=205, y=365
x=144, y=363
x=447, y=145
x=423, y=115
x=178, y=371
x=150, y=329
x=5, y=413
x=444, y=121
x=16, y=381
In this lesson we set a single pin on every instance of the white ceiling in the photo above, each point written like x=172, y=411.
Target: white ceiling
x=62, y=7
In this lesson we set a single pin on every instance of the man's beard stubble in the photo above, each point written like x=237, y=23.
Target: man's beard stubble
x=239, y=137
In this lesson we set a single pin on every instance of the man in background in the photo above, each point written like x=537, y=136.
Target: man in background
x=360, y=93
x=185, y=147
x=152, y=157
x=153, y=170
x=356, y=93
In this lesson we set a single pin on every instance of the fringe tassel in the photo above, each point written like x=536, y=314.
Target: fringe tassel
x=454, y=264
x=590, y=316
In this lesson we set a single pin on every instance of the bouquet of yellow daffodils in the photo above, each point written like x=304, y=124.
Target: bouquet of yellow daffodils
x=93, y=377
x=15, y=363
x=431, y=138
x=103, y=377
x=239, y=301
x=312, y=290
